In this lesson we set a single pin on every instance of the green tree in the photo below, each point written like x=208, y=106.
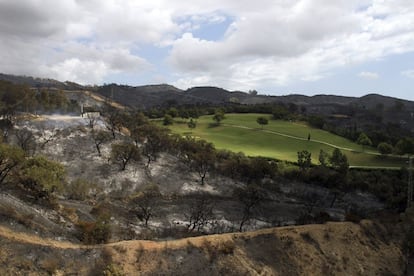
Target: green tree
x=29, y=101
x=404, y=146
x=183, y=113
x=192, y=124
x=124, y=152
x=218, y=116
x=44, y=99
x=231, y=163
x=194, y=113
x=339, y=161
x=257, y=168
x=364, y=140
x=304, y=159
x=323, y=158
x=385, y=148
x=173, y=112
x=316, y=121
x=168, y=120
x=280, y=112
x=11, y=99
x=42, y=177
x=95, y=232
x=135, y=120
x=262, y=121
x=61, y=101
x=10, y=158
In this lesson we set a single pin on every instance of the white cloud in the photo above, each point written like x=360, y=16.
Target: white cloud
x=268, y=42
x=92, y=64
x=77, y=70
x=368, y=75
x=408, y=74
x=76, y=40
x=303, y=41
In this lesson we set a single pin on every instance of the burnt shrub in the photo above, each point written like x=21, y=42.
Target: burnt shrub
x=95, y=232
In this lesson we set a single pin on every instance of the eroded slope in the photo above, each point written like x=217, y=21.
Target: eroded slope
x=329, y=249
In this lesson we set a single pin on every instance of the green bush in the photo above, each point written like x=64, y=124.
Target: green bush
x=78, y=189
x=168, y=120
x=113, y=270
x=95, y=232
x=42, y=177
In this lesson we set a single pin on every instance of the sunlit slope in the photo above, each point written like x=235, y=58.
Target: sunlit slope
x=279, y=139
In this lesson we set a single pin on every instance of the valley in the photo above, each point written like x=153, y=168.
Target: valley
x=281, y=140
x=82, y=175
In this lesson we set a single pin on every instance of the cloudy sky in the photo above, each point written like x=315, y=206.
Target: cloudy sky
x=342, y=47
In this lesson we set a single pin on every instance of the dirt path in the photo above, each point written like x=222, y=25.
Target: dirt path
x=99, y=98
x=299, y=138
x=347, y=247
x=27, y=238
x=21, y=237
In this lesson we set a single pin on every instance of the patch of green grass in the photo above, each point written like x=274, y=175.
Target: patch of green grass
x=279, y=139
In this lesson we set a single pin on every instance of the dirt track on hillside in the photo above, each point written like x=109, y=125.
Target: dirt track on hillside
x=334, y=248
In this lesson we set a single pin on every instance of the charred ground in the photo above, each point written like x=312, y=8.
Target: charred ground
x=84, y=196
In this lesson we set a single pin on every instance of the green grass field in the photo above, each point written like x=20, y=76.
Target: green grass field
x=279, y=139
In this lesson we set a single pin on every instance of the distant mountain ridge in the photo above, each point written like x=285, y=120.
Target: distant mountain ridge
x=42, y=82
x=148, y=96
x=383, y=118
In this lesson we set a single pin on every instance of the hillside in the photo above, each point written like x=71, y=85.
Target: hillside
x=371, y=113
x=330, y=249
x=39, y=240
x=157, y=95
x=42, y=82
x=281, y=140
x=70, y=142
x=71, y=181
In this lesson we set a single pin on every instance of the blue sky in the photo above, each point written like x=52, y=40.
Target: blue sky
x=277, y=47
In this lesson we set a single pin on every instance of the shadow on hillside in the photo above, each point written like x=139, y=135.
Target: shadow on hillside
x=212, y=125
x=273, y=252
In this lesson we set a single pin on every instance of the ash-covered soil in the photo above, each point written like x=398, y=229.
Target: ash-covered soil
x=68, y=139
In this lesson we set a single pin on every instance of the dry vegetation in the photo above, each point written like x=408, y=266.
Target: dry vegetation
x=345, y=248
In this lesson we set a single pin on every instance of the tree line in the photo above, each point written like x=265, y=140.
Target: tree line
x=390, y=140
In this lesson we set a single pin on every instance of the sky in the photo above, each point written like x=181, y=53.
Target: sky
x=277, y=47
